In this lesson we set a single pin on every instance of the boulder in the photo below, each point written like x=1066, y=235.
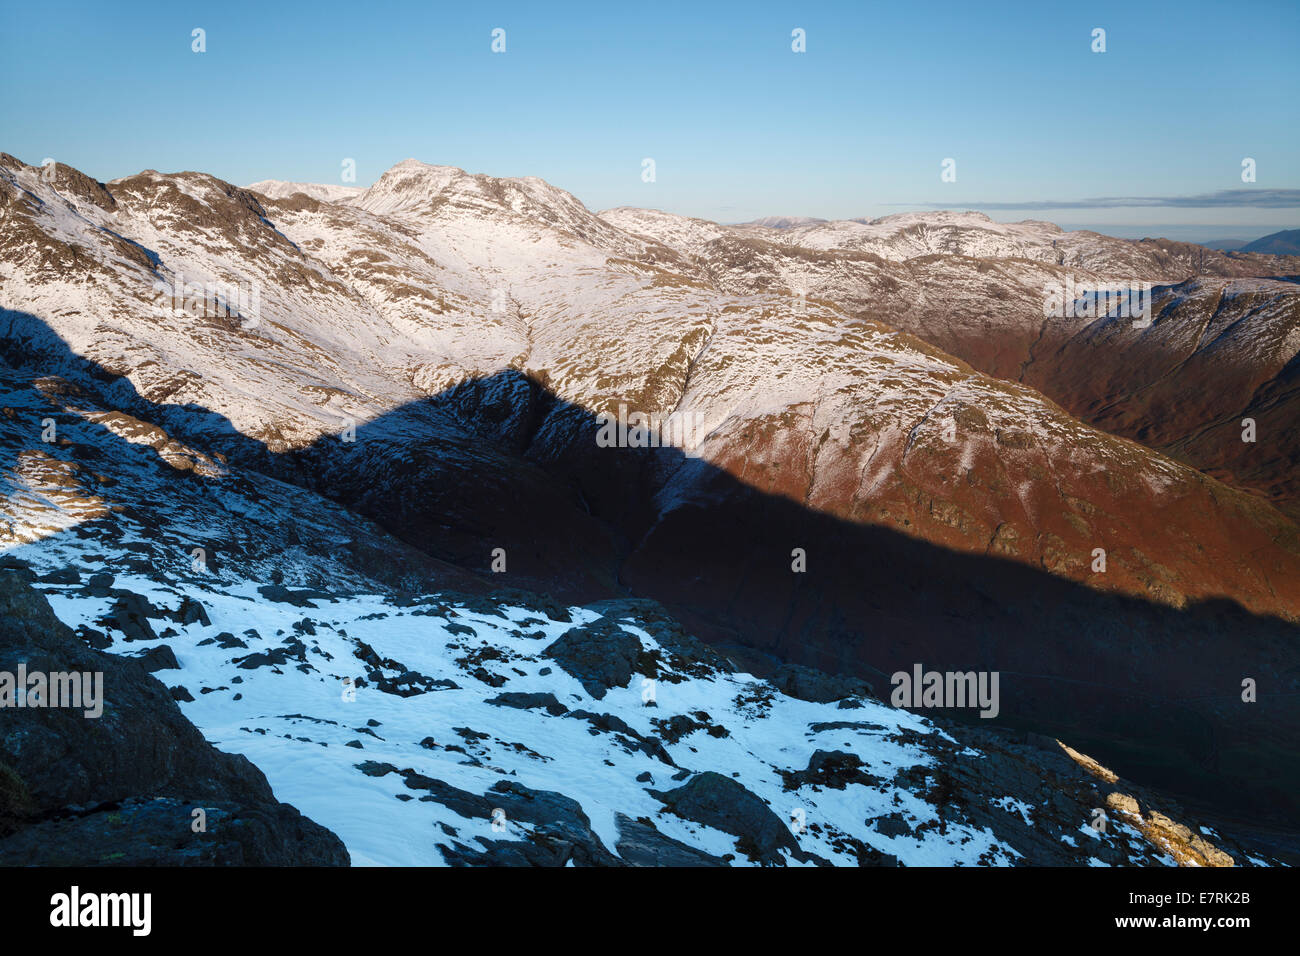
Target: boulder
x=600, y=655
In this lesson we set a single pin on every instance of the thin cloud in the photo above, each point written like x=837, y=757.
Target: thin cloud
x=1225, y=198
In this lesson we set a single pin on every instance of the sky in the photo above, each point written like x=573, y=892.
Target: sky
x=1039, y=126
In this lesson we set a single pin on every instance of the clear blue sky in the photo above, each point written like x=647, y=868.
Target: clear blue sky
x=739, y=126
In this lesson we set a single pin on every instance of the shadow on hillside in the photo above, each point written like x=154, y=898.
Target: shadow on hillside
x=501, y=462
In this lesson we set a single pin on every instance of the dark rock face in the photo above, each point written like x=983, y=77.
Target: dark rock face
x=601, y=655
x=522, y=701
x=63, y=576
x=640, y=844
x=298, y=598
x=686, y=654
x=808, y=684
x=160, y=658
x=130, y=614
x=161, y=832
x=560, y=832
x=720, y=802
x=190, y=612
x=835, y=769
x=122, y=788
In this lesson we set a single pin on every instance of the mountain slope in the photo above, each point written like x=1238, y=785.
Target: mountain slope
x=981, y=291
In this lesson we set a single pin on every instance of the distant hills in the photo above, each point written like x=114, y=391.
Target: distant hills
x=1284, y=243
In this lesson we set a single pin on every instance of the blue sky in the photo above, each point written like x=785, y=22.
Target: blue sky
x=739, y=126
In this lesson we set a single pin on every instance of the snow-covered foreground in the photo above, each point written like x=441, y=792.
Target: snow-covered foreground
x=295, y=721
x=456, y=712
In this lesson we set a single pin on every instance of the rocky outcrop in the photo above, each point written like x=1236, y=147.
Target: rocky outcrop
x=601, y=655
x=137, y=785
x=722, y=803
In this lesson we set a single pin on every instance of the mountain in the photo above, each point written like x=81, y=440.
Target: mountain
x=781, y=222
x=1284, y=243
x=356, y=409
x=978, y=289
x=447, y=297
x=1212, y=382
x=323, y=192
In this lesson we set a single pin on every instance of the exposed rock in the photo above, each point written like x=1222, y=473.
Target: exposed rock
x=298, y=598
x=139, y=750
x=67, y=575
x=835, y=769
x=130, y=614
x=814, y=685
x=159, y=658
x=640, y=844
x=601, y=655
x=722, y=803
x=191, y=612
x=522, y=701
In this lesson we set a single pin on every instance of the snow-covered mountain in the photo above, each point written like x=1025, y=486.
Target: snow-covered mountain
x=782, y=222
x=979, y=290
x=434, y=279
x=324, y=192
x=374, y=414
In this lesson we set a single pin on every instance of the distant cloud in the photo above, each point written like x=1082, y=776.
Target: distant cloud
x=1236, y=198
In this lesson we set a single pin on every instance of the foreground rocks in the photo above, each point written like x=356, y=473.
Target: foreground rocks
x=136, y=786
